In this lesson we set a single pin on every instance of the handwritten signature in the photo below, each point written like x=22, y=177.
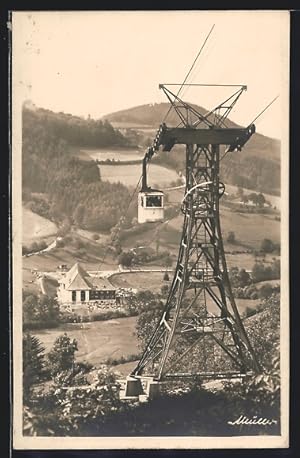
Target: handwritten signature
x=254, y=420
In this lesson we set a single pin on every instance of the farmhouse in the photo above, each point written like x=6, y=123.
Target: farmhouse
x=77, y=287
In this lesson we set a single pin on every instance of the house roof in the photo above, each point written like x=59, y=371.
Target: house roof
x=102, y=283
x=78, y=279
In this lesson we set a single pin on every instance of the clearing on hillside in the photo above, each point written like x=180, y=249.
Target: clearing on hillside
x=129, y=174
x=103, y=154
x=152, y=281
x=35, y=227
x=97, y=340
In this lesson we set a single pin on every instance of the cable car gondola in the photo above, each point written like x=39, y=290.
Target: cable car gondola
x=150, y=201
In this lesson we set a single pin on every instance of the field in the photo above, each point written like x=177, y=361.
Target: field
x=48, y=262
x=152, y=281
x=69, y=254
x=102, y=154
x=249, y=229
x=98, y=340
x=129, y=175
x=36, y=227
x=274, y=200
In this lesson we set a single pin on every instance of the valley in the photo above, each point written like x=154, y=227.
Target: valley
x=99, y=340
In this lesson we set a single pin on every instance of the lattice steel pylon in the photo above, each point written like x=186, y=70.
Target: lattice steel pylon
x=200, y=331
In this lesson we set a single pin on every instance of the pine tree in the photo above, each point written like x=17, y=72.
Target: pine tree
x=62, y=356
x=33, y=363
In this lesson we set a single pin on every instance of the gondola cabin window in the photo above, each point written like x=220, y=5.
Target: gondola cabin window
x=150, y=206
x=154, y=201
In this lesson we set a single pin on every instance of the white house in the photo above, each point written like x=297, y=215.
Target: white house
x=77, y=287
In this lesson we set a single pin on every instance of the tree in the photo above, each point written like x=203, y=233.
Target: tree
x=259, y=272
x=30, y=309
x=74, y=412
x=62, y=355
x=79, y=214
x=260, y=200
x=253, y=198
x=244, y=278
x=245, y=199
x=267, y=246
x=166, y=276
x=168, y=260
x=126, y=258
x=49, y=309
x=276, y=269
x=40, y=311
x=164, y=290
x=231, y=237
x=239, y=278
x=33, y=363
x=157, y=245
x=265, y=291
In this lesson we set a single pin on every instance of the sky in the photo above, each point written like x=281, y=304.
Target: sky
x=95, y=63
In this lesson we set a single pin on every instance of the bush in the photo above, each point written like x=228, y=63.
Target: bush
x=40, y=312
x=239, y=277
x=122, y=359
x=164, y=290
x=25, y=250
x=249, y=312
x=33, y=363
x=109, y=315
x=231, y=237
x=126, y=259
x=62, y=355
x=35, y=247
x=267, y=246
x=95, y=237
x=260, y=272
x=79, y=244
x=254, y=295
x=265, y=291
x=60, y=243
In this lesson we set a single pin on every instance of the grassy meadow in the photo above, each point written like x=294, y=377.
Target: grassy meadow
x=97, y=340
x=129, y=175
x=36, y=228
x=117, y=154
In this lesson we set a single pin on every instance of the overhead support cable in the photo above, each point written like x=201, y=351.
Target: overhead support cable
x=268, y=106
x=193, y=64
x=252, y=122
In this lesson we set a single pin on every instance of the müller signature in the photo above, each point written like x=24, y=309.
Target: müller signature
x=254, y=420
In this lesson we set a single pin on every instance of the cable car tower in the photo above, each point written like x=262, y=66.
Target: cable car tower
x=200, y=331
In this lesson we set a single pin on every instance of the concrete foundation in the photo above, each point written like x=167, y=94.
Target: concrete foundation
x=139, y=388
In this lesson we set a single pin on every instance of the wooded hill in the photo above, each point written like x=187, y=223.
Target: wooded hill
x=257, y=166
x=70, y=189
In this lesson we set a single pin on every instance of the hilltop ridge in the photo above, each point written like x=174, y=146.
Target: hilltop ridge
x=257, y=166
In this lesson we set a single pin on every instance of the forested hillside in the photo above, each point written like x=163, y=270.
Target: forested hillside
x=257, y=166
x=59, y=186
